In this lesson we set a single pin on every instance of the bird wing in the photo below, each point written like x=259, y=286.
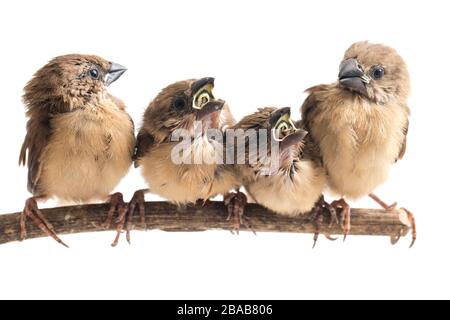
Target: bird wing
x=403, y=148
x=311, y=148
x=121, y=105
x=33, y=147
x=310, y=104
x=143, y=144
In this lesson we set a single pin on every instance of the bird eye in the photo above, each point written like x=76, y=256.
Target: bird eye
x=377, y=73
x=94, y=73
x=179, y=104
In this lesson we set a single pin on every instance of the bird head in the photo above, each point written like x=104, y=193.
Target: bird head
x=281, y=131
x=375, y=72
x=183, y=105
x=72, y=81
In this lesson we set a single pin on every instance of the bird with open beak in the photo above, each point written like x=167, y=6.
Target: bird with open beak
x=360, y=122
x=80, y=140
x=191, y=109
x=289, y=179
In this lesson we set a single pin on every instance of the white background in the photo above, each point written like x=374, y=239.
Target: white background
x=261, y=53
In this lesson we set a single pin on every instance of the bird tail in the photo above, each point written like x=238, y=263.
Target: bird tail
x=23, y=153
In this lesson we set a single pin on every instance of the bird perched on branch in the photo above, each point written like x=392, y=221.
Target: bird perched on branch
x=289, y=178
x=360, y=122
x=80, y=140
x=180, y=160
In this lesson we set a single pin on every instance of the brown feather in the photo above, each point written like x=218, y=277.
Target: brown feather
x=299, y=182
x=180, y=183
x=360, y=137
x=72, y=116
x=144, y=142
x=403, y=148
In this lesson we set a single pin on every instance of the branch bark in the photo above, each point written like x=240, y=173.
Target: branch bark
x=212, y=216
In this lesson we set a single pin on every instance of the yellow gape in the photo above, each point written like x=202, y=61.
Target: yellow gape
x=203, y=96
x=284, y=127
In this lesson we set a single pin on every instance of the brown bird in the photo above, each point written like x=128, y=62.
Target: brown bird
x=190, y=108
x=80, y=140
x=360, y=122
x=295, y=184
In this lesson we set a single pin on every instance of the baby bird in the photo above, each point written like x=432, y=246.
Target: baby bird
x=289, y=179
x=80, y=140
x=360, y=122
x=180, y=161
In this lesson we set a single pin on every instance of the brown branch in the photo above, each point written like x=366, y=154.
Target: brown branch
x=212, y=216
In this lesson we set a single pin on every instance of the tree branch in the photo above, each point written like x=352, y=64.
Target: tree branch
x=212, y=216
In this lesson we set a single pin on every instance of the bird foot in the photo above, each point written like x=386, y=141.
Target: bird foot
x=235, y=202
x=126, y=214
x=322, y=209
x=410, y=215
x=412, y=222
x=32, y=211
x=202, y=202
x=116, y=203
x=345, y=215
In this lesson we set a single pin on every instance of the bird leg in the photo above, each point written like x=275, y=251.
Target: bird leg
x=138, y=201
x=32, y=211
x=382, y=203
x=345, y=215
x=235, y=202
x=126, y=214
x=317, y=216
x=412, y=220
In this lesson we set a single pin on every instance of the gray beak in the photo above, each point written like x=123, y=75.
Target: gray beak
x=197, y=85
x=210, y=108
x=278, y=114
x=293, y=139
x=114, y=73
x=352, y=77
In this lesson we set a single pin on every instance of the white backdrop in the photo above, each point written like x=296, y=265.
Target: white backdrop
x=261, y=53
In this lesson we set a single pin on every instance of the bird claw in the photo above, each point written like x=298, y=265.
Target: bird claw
x=345, y=216
x=392, y=206
x=395, y=238
x=412, y=220
x=317, y=218
x=202, y=203
x=126, y=214
x=116, y=202
x=329, y=237
x=120, y=222
x=235, y=202
x=32, y=211
x=332, y=211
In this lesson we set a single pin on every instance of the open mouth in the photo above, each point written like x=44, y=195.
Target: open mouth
x=286, y=133
x=283, y=128
x=203, y=93
x=207, y=106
